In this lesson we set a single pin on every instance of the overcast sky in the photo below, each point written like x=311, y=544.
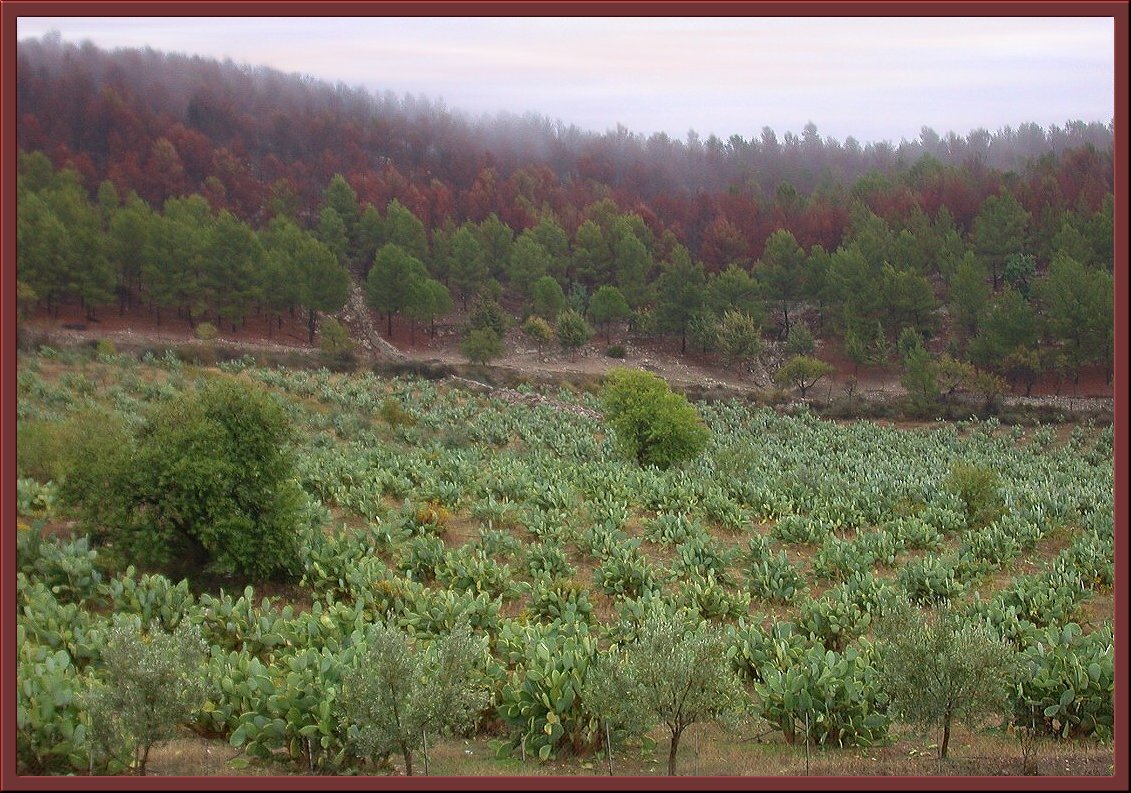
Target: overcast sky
x=873, y=79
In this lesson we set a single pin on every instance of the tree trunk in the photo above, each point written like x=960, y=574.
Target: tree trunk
x=945, y=736
x=407, y=760
x=672, y=752
x=390, y=326
x=609, y=747
x=311, y=326
x=143, y=761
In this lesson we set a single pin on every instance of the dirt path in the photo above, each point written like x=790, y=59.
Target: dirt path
x=521, y=359
x=357, y=318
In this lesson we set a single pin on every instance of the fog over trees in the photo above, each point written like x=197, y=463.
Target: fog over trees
x=215, y=192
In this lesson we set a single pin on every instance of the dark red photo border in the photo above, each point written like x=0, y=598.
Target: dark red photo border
x=1117, y=11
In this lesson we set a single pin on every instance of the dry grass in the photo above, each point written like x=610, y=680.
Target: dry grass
x=706, y=750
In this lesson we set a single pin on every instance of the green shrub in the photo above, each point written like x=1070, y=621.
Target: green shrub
x=1068, y=685
x=104, y=349
x=212, y=476
x=541, y=704
x=978, y=489
x=51, y=732
x=394, y=414
x=774, y=578
x=334, y=338
x=653, y=425
x=837, y=697
x=40, y=450
x=572, y=330
x=97, y=461
x=489, y=315
x=538, y=330
x=482, y=346
x=615, y=351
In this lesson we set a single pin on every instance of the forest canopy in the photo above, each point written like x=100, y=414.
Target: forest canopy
x=213, y=192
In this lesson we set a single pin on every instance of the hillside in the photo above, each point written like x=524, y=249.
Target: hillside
x=174, y=191
x=424, y=505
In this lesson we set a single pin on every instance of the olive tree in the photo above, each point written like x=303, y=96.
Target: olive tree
x=400, y=689
x=676, y=673
x=150, y=682
x=943, y=668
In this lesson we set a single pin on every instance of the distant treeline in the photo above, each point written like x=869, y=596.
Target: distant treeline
x=212, y=190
